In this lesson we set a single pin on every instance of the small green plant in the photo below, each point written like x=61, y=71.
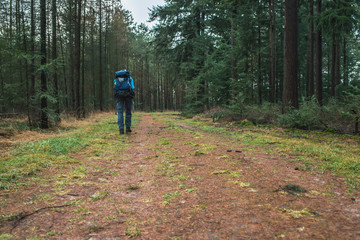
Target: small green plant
x=189, y=190
x=164, y=142
x=218, y=172
x=51, y=233
x=6, y=236
x=146, y=200
x=132, y=188
x=133, y=231
x=83, y=211
x=292, y=189
x=299, y=213
x=169, y=196
x=99, y=195
x=235, y=174
x=94, y=228
x=199, y=153
x=240, y=183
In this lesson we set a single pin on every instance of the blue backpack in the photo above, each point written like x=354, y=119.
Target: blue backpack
x=122, y=85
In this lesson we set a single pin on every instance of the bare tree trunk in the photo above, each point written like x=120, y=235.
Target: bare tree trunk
x=259, y=83
x=71, y=54
x=337, y=62
x=64, y=70
x=11, y=19
x=44, y=116
x=26, y=78
x=32, y=64
x=345, y=71
x=290, y=91
x=333, y=64
x=93, y=58
x=319, y=82
x=233, y=54
x=82, y=105
x=77, y=58
x=310, y=52
x=272, y=51
x=100, y=59
x=54, y=57
x=17, y=23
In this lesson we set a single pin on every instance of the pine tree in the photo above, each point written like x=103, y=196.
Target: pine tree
x=44, y=116
x=290, y=91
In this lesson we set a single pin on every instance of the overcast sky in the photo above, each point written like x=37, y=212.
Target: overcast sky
x=139, y=9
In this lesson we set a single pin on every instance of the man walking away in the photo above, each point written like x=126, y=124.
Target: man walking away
x=124, y=93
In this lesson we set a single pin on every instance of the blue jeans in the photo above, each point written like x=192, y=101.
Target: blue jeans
x=120, y=105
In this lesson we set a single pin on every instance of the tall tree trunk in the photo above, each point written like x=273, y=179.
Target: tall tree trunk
x=92, y=41
x=319, y=81
x=100, y=59
x=310, y=52
x=233, y=53
x=32, y=52
x=333, y=65
x=337, y=62
x=281, y=59
x=77, y=58
x=82, y=105
x=71, y=53
x=290, y=91
x=44, y=117
x=17, y=23
x=11, y=19
x=345, y=71
x=64, y=70
x=259, y=83
x=259, y=66
x=26, y=78
x=54, y=57
x=272, y=51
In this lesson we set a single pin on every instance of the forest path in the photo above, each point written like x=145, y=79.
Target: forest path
x=173, y=180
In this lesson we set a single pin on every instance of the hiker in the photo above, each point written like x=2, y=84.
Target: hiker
x=124, y=93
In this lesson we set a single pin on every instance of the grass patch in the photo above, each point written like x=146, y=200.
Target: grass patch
x=219, y=172
x=29, y=158
x=100, y=139
x=240, y=183
x=299, y=213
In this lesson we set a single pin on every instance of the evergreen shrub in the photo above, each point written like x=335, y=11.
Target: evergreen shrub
x=308, y=117
x=266, y=113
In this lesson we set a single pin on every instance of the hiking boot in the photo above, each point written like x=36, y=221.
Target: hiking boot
x=121, y=131
x=128, y=130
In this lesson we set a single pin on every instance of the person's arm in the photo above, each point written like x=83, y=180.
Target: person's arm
x=132, y=83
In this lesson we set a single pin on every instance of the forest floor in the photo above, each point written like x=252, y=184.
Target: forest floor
x=175, y=178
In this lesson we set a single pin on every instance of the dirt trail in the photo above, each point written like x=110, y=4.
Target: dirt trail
x=177, y=182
